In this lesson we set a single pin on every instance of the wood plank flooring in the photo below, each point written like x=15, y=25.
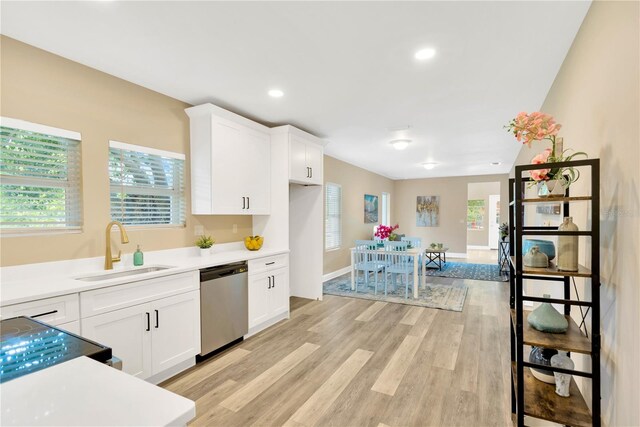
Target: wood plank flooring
x=352, y=362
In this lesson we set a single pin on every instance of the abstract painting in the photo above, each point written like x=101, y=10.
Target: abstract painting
x=370, y=209
x=428, y=211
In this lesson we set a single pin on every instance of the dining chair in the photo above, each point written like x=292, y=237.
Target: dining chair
x=367, y=260
x=397, y=263
x=416, y=242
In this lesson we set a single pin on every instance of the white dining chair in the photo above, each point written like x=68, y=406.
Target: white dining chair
x=367, y=260
x=397, y=263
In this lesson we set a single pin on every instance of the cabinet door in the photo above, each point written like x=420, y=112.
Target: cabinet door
x=125, y=331
x=175, y=325
x=255, y=165
x=227, y=171
x=259, y=293
x=298, y=167
x=315, y=160
x=279, y=298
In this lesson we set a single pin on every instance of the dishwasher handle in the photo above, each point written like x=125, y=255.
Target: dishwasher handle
x=221, y=271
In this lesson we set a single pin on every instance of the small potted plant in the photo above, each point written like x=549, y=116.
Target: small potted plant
x=504, y=231
x=205, y=243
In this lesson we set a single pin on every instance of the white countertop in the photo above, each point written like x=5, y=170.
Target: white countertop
x=83, y=392
x=45, y=280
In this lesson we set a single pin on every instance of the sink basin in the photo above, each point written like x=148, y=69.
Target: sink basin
x=125, y=273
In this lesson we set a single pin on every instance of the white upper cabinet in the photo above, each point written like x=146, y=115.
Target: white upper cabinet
x=230, y=163
x=305, y=158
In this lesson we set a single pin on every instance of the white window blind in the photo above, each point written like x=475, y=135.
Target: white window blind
x=39, y=178
x=147, y=185
x=333, y=217
x=386, y=208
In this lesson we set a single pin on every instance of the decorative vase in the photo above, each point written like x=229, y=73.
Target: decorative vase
x=535, y=258
x=555, y=187
x=567, y=247
x=563, y=381
x=205, y=251
x=543, y=190
x=542, y=356
x=545, y=246
x=545, y=318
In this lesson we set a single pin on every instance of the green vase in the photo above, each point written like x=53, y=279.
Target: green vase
x=545, y=318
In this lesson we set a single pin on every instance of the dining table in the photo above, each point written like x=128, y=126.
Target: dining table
x=418, y=265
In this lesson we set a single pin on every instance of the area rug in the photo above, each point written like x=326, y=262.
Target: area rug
x=433, y=295
x=459, y=270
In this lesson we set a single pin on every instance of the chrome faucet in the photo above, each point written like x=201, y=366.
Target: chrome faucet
x=108, y=258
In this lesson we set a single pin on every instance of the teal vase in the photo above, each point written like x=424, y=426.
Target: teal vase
x=545, y=318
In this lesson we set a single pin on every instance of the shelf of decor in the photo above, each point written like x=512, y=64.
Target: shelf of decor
x=541, y=401
x=573, y=340
x=530, y=396
x=552, y=270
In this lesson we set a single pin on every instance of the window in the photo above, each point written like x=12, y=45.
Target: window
x=475, y=214
x=386, y=217
x=40, y=178
x=147, y=185
x=332, y=217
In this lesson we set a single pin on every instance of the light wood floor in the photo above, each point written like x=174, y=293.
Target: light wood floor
x=351, y=362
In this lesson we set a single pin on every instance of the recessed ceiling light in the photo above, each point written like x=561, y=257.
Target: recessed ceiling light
x=400, y=144
x=424, y=54
x=429, y=165
x=276, y=93
x=496, y=163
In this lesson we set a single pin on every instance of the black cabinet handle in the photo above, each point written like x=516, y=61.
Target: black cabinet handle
x=44, y=314
x=244, y=203
x=269, y=287
x=269, y=263
x=248, y=202
x=311, y=173
x=148, y=322
x=274, y=281
x=157, y=319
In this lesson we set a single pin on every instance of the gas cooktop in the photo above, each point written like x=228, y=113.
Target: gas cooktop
x=28, y=345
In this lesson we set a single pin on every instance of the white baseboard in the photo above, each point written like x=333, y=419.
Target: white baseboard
x=478, y=247
x=336, y=273
x=456, y=255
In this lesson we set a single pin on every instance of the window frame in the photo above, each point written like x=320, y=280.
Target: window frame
x=326, y=217
x=118, y=145
x=73, y=187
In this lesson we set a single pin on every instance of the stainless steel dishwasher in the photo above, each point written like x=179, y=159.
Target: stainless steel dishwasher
x=224, y=312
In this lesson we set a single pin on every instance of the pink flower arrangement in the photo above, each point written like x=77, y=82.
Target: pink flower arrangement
x=541, y=174
x=384, y=231
x=533, y=127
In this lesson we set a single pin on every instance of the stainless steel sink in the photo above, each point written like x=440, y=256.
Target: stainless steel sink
x=125, y=273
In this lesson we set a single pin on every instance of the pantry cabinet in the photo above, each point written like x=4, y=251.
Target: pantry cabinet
x=230, y=163
x=305, y=159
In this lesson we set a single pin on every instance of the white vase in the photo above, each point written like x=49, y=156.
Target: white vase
x=567, y=259
x=205, y=251
x=555, y=187
x=563, y=381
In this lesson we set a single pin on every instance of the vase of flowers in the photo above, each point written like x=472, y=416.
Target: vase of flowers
x=539, y=126
x=504, y=230
x=384, y=231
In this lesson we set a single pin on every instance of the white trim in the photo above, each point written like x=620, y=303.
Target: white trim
x=147, y=150
x=479, y=247
x=456, y=255
x=36, y=127
x=336, y=273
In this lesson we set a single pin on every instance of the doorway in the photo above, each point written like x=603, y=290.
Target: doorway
x=483, y=221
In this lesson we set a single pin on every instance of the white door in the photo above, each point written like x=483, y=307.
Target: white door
x=255, y=166
x=227, y=167
x=128, y=332
x=279, y=298
x=298, y=167
x=175, y=326
x=315, y=162
x=494, y=220
x=259, y=298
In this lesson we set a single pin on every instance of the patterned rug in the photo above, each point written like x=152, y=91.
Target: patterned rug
x=458, y=270
x=434, y=295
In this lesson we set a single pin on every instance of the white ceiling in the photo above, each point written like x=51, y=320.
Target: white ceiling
x=347, y=69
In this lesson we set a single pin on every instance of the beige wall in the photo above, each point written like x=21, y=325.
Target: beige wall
x=452, y=230
x=40, y=87
x=596, y=98
x=355, y=182
x=477, y=191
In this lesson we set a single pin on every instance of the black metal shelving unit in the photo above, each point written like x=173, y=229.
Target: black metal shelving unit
x=530, y=396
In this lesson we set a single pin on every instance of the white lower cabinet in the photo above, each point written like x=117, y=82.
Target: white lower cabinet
x=150, y=337
x=268, y=297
